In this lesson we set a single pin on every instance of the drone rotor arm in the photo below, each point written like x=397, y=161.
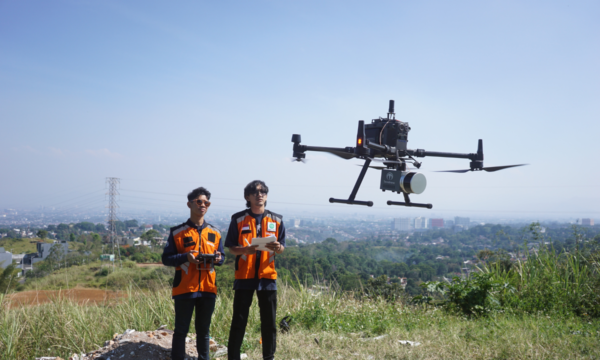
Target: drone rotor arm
x=344, y=153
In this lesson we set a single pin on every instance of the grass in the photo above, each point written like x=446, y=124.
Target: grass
x=564, y=283
x=345, y=328
x=27, y=245
x=101, y=276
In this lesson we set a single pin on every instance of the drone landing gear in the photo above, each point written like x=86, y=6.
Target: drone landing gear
x=351, y=200
x=408, y=203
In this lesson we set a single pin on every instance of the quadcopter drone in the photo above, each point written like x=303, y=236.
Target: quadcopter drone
x=385, y=140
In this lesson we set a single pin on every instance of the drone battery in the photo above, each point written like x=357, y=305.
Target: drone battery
x=403, y=181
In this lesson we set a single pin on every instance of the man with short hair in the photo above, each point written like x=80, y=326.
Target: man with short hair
x=254, y=270
x=194, y=285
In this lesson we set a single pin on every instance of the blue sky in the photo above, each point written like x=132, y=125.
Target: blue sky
x=169, y=96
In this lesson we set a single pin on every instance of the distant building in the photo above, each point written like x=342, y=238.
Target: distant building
x=297, y=222
x=401, y=224
x=587, y=222
x=420, y=223
x=44, y=249
x=437, y=223
x=5, y=258
x=463, y=221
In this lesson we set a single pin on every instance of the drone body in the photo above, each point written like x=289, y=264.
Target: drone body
x=385, y=140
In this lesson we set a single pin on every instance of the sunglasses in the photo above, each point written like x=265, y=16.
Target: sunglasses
x=258, y=192
x=201, y=202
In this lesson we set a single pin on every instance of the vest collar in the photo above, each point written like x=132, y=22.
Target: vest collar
x=193, y=226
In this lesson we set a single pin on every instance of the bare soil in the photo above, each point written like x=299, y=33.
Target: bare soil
x=149, y=265
x=80, y=295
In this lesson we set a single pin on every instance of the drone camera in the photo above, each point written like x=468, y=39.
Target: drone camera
x=403, y=181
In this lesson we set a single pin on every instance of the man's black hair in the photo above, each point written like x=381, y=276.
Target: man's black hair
x=197, y=192
x=251, y=189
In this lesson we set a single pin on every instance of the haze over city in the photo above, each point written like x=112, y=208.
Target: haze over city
x=167, y=97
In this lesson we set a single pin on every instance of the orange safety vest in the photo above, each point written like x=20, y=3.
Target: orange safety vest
x=191, y=277
x=245, y=265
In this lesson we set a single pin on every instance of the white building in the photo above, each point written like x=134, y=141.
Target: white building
x=421, y=223
x=5, y=258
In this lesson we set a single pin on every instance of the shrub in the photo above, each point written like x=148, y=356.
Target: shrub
x=472, y=295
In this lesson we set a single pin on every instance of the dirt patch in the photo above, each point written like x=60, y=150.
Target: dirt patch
x=80, y=295
x=149, y=265
x=146, y=345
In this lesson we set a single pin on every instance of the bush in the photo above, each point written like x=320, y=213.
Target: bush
x=473, y=295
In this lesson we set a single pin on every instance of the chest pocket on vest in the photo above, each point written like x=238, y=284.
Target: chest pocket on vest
x=212, y=237
x=188, y=241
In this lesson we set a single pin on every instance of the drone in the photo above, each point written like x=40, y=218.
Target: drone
x=385, y=141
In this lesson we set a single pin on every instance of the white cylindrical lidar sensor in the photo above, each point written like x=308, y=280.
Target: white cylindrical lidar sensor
x=413, y=183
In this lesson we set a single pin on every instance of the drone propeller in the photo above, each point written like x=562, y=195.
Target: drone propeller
x=488, y=169
x=304, y=161
x=384, y=167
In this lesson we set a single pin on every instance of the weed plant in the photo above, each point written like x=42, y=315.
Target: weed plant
x=550, y=282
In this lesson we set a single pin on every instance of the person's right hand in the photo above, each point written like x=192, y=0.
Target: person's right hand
x=192, y=258
x=250, y=249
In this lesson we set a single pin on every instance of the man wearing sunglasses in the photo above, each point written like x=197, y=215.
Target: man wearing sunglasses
x=194, y=285
x=254, y=270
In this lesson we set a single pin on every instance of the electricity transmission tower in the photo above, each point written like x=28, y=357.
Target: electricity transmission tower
x=112, y=216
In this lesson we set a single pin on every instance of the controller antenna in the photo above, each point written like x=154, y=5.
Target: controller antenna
x=391, y=113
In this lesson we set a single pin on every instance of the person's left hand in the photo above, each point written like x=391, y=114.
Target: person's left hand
x=275, y=246
x=218, y=258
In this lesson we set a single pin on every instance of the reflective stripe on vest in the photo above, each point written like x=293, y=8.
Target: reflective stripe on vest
x=245, y=265
x=189, y=277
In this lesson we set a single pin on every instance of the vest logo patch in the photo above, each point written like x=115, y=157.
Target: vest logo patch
x=212, y=237
x=271, y=226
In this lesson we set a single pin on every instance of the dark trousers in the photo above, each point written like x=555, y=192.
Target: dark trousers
x=183, y=317
x=267, y=302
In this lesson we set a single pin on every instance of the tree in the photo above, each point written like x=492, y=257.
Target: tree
x=42, y=234
x=131, y=223
x=85, y=226
x=151, y=235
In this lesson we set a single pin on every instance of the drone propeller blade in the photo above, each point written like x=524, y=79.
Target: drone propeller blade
x=496, y=168
x=298, y=160
x=385, y=161
x=488, y=169
x=383, y=167
x=455, y=171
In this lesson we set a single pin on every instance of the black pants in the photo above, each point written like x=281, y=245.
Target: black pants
x=267, y=302
x=183, y=317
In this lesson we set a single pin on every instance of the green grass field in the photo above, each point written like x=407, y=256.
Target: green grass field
x=100, y=275
x=545, y=308
x=346, y=328
x=21, y=246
